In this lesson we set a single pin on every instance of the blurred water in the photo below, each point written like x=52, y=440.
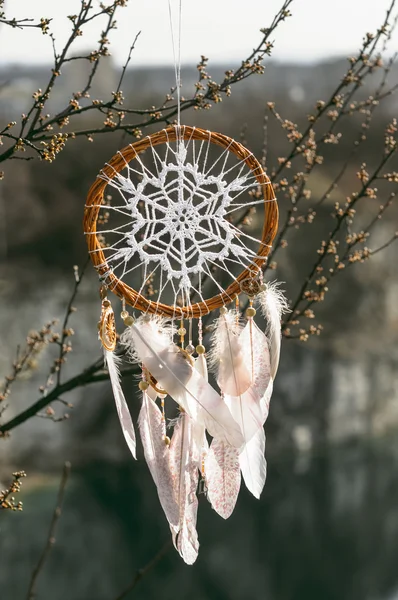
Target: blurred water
x=326, y=528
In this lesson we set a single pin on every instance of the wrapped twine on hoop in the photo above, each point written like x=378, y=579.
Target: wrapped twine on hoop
x=117, y=164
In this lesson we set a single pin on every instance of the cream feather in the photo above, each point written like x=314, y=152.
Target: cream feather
x=122, y=408
x=156, y=453
x=183, y=383
x=184, y=469
x=227, y=356
x=273, y=304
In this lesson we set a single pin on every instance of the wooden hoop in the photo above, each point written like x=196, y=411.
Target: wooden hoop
x=118, y=162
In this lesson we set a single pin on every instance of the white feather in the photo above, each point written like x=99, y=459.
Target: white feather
x=156, y=453
x=158, y=331
x=265, y=401
x=121, y=405
x=183, y=463
x=251, y=457
x=253, y=464
x=273, y=304
x=227, y=356
x=201, y=366
x=246, y=411
x=183, y=383
x=152, y=393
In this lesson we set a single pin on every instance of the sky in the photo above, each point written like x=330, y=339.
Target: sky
x=224, y=30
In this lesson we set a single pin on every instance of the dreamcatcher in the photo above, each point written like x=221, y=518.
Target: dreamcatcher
x=171, y=231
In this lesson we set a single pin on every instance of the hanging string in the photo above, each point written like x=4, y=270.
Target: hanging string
x=177, y=57
x=179, y=63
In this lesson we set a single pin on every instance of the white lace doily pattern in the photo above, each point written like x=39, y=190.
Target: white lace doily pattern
x=176, y=220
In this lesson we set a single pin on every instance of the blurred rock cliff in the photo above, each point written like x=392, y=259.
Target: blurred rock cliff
x=334, y=387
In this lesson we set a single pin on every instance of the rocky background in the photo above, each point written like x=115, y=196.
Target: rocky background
x=323, y=509
x=341, y=384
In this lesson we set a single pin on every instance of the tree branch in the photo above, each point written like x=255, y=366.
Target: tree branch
x=145, y=570
x=82, y=379
x=51, y=533
x=41, y=127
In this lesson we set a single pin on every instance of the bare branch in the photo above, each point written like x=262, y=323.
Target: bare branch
x=126, y=64
x=40, y=128
x=35, y=342
x=66, y=332
x=51, y=533
x=145, y=570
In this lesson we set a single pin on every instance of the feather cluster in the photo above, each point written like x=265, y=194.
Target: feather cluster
x=244, y=361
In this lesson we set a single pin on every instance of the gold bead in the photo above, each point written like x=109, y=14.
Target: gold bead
x=223, y=310
x=124, y=314
x=250, y=312
x=263, y=287
x=167, y=440
x=200, y=349
x=181, y=331
x=143, y=385
x=128, y=321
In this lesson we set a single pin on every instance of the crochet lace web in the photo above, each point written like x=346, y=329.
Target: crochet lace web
x=182, y=219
